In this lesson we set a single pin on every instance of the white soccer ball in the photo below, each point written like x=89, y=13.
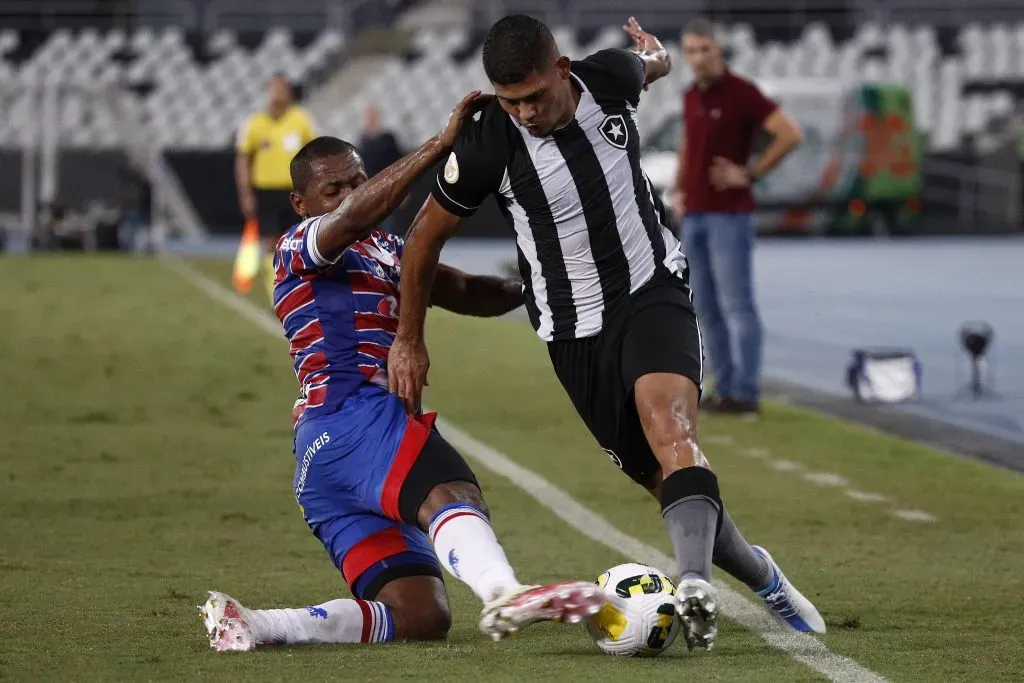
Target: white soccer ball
x=639, y=619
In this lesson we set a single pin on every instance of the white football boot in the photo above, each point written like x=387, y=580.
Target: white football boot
x=567, y=602
x=228, y=624
x=697, y=607
x=786, y=602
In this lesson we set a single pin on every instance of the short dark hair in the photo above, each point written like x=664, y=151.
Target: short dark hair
x=699, y=27
x=325, y=146
x=515, y=47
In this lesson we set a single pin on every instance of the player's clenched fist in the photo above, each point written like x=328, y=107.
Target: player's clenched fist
x=408, y=363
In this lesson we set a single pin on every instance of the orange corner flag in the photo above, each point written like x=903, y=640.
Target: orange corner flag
x=247, y=261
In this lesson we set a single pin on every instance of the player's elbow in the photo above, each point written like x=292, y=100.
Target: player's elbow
x=499, y=308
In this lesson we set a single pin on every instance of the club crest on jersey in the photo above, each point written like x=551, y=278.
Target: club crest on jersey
x=613, y=129
x=388, y=307
x=451, y=170
x=615, y=458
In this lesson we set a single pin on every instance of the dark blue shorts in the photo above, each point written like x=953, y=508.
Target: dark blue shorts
x=350, y=467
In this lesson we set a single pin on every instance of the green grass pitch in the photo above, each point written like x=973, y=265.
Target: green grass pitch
x=146, y=457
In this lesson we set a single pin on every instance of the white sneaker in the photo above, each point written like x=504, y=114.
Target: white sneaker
x=697, y=607
x=567, y=602
x=786, y=602
x=227, y=624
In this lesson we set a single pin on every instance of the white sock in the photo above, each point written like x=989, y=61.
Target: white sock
x=469, y=550
x=335, y=621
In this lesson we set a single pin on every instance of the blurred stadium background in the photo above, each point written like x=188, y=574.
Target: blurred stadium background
x=912, y=107
x=124, y=111
x=151, y=464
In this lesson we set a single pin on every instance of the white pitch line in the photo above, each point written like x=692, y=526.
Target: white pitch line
x=223, y=295
x=829, y=479
x=825, y=478
x=866, y=496
x=914, y=515
x=801, y=646
x=785, y=465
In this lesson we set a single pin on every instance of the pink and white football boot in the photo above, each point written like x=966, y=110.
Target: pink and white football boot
x=228, y=624
x=567, y=602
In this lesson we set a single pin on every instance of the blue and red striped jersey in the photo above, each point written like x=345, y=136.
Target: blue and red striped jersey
x=340, y=318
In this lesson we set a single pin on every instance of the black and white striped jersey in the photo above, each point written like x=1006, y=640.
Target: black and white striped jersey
x=589, y=227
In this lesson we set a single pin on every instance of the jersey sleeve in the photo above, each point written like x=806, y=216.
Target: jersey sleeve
x=244, y=143
x=297, y=252
x=623, y=73
x=757, y=106
x=473, y=170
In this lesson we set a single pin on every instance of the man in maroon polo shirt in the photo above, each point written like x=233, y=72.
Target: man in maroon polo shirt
x=722, y=115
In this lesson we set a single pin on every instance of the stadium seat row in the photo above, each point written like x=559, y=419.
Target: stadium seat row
x=193, y=96
x=189, y=98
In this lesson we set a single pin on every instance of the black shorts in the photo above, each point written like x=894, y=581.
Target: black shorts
x=653, y=331
x=274, y=212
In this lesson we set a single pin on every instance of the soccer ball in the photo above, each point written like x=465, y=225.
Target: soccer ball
x=639, y=619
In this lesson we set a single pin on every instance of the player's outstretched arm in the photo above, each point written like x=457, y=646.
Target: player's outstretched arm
x=657, y=62
x=483, y=296
x=374, y=200
x=408, y=361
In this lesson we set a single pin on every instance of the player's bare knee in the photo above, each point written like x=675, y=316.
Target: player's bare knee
x=666, y=423
x=437, y=624
x=419, y=607
x=424, y=623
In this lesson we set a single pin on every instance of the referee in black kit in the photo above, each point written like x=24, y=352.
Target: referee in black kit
x=606, y=287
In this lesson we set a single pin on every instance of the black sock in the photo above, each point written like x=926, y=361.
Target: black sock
x=735, y=556
x=691, y=507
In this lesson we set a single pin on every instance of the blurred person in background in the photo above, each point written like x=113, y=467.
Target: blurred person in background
x=62, y=228
x=379, y=149
x=712, y=195
x=135, y=209
x=377, y=146
x=46, y=238
x=266, y=144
